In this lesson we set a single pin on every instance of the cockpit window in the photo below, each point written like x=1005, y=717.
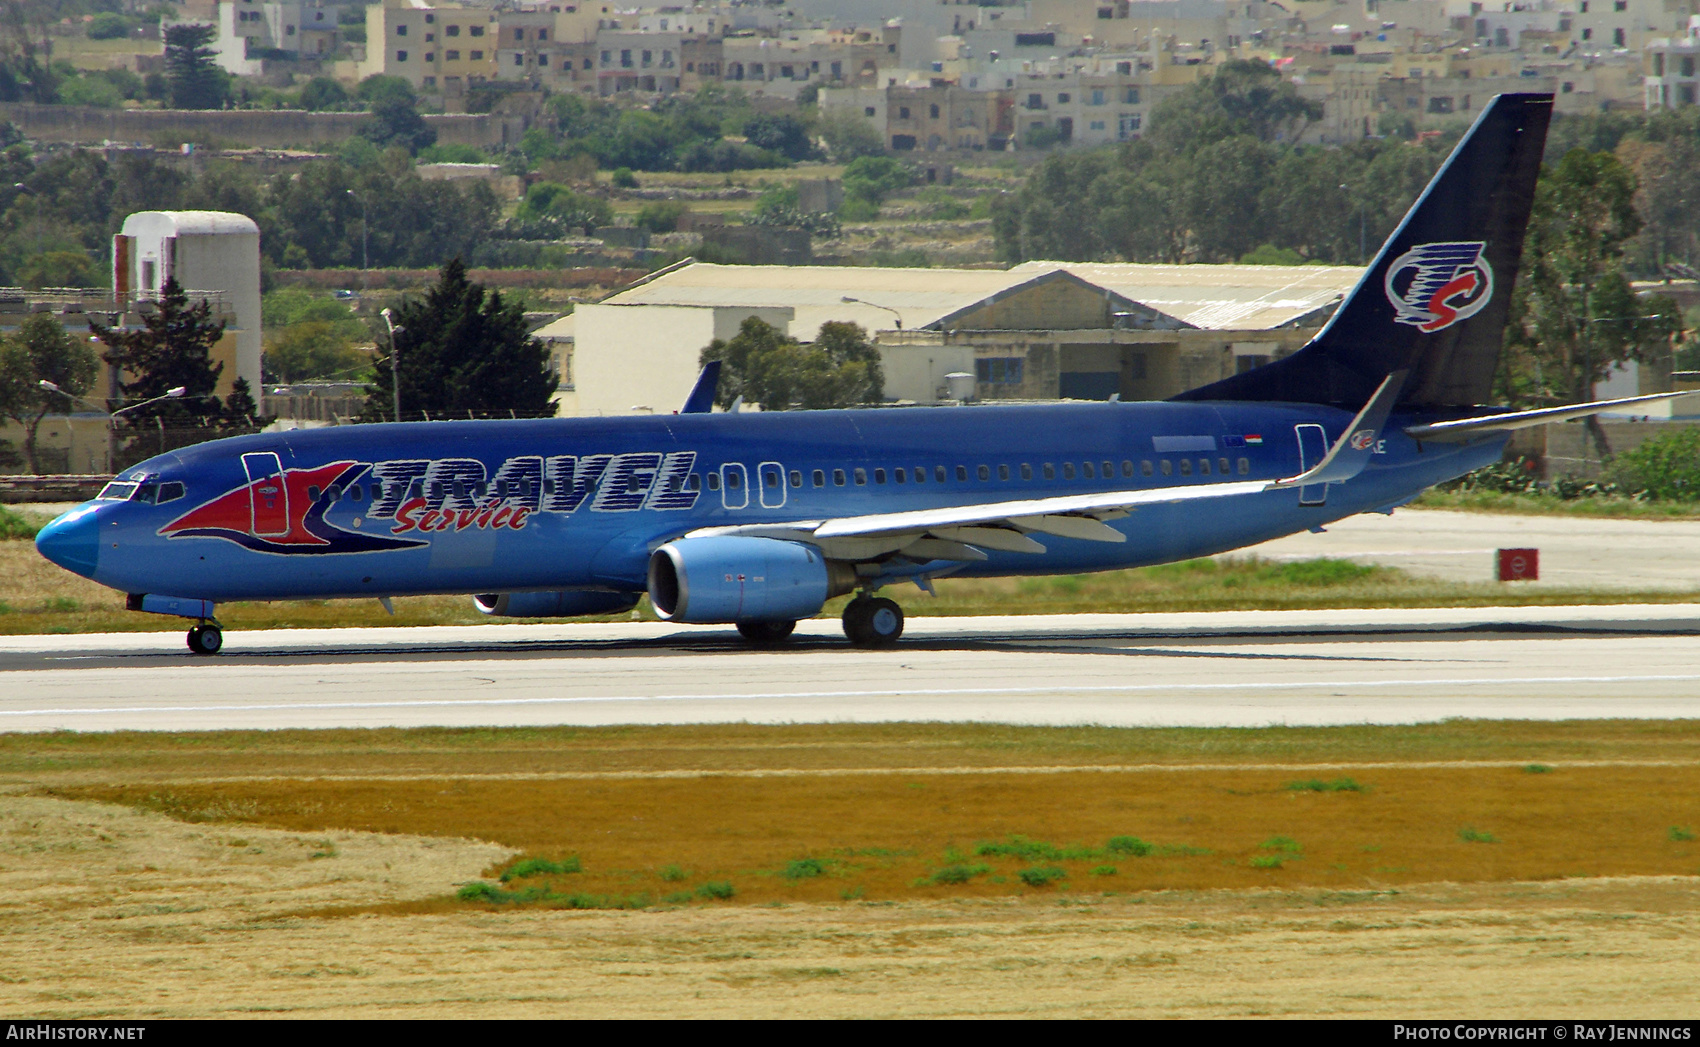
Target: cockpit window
x=169, y=491
x=116, y=492
x=145, y=493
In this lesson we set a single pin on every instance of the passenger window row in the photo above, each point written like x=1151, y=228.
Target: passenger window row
x=1107, y=470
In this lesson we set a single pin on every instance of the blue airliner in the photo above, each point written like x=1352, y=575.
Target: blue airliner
x=757, y=519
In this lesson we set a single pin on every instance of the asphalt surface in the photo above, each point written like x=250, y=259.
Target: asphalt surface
x=1224, y=669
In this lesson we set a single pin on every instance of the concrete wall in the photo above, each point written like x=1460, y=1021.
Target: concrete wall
x=278, y=129
x=646, y=356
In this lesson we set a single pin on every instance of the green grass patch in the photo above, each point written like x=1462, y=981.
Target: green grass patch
x=1282, y=845
x=1317, y=785
x=1536, y=768
x=1104, y=870
x=15, y=526
x=1128, y=845
x=672, y=874
x=1613, y=507
x=716, y=891
x=1470, y=834
x=1680, y=834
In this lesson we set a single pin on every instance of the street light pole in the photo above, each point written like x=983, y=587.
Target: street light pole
x=170, y=394
x=876, y=305
x=395, y=371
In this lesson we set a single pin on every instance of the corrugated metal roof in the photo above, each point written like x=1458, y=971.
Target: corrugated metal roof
x=816, y=292
x=1219, y=297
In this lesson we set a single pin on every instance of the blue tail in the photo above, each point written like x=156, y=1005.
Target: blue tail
x=701, y=400
x=1435, y=299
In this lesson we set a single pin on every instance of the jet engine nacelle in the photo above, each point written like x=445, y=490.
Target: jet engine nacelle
x=554, y=605
x=738, y=579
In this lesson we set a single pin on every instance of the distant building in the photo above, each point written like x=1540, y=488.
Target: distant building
x=1671, y=64
x=213, y=255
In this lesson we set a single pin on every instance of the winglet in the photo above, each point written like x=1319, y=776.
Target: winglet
x=701, y=400
x=1347, y=458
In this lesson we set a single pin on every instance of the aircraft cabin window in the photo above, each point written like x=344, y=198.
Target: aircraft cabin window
x=984, y=472
x=819, y=477
x=693, y=482
x=920, y=474
x=1168, y=467
x=1003, y=472
x=879, y=476
x=1109, y=470
x=1050, y=471
x=1204, y=467
x=961, y=473
x=838, y=478
x=1222, y=466
x=714, y=481
x=734, y=481
x=1026, y=471
x=313, y=492
x=939, y=473
x=1186, y=466
x=1088, y=471
x=1068, y=470
x=861, y=477
x=1145, y=467
x=770, y=478
x=1127, y=468
x=1245, y=466
x=796, y=478
x=356, y=492
x=900, y=474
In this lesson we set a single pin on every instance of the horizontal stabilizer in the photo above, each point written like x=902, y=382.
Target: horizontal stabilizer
x=1464, y=428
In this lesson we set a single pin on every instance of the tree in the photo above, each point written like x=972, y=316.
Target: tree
x=59, y=269
x=396, y=121
x=763, y=365
x=322, y=93
x=1574, y=315
x=196, y=80
x=849, y=136
x=462, y=351
x=42, y=350
x=172, y=348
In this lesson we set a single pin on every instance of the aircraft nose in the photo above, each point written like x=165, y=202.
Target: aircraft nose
x=72, y=541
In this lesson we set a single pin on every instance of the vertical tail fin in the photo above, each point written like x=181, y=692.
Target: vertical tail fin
x=1435, y=299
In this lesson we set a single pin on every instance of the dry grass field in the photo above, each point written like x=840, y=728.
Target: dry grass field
x=856, y=870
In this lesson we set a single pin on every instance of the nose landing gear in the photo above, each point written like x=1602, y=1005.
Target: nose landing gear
x=873, y=621
x=206, y=638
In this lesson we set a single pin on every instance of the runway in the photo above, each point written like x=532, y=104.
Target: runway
x=1223, y=669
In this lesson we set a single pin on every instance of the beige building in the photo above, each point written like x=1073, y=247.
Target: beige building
x=1042, y=330
x=432, y=48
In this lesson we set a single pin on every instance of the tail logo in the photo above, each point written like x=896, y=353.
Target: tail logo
x=1433, y=286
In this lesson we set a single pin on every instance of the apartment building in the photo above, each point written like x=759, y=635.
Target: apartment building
x=1671, y=64
x=432, y=48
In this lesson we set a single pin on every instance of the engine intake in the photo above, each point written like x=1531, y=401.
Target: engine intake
x=569, y=604
x=738, y=579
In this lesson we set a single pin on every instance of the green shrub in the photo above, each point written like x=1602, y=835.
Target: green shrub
x=1537, y=768
x=624, y=179
x=1679, y=834
x=1470, y=834
x=718, y=890
x=480, y=892
x=1128, y=845
x=1283, y=844
x=1667, y=467
x=804, y=869
x=1104, y=870
x=1042, y=875
x=1268, y=861
x=662, y=216
x=540, y=867
x=672, y=873
x=957, y=873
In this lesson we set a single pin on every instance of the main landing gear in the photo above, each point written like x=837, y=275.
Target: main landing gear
x=206, y=638
x=871, y=621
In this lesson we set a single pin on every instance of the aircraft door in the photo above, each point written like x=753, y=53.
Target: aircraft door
x=268, y=496
x=773, y=492
x=1313, y=447
x=734, y=486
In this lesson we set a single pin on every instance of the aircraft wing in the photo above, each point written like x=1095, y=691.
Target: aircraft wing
x=953, y=532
